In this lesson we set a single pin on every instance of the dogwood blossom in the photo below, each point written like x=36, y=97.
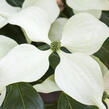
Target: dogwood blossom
x=83, y=35
x=56, y=34
x=31, y=17
x=49, y=85
x=94, y=7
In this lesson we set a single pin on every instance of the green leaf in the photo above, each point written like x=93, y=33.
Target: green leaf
x=66, y=102
x=67, y=12
x=105, y=17
x=64, y=49
x=13, y=32
x=54, y=60
x=22, y=96
x=103, y=53
x=41, y=45
x=15, y=3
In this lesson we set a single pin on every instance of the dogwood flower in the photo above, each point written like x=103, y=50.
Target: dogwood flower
x=94, y=7
x=31, y=17
x=49, y=85
x=78, y=74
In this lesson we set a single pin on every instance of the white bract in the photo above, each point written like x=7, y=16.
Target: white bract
x=6, y=44
x=47, y=86
x=96, y=13
x=22, y=62
x=31, y=17
x=78, y=74
x=105, y=72
x=94, y=7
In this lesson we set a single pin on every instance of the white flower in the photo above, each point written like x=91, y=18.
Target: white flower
x=78, y=74
x=49, y=85
x=31, y=17
x=94, y=7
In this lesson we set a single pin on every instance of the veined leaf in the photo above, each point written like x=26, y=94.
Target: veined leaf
x=22, y=96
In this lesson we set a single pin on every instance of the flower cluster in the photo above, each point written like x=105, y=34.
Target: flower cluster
x=78, y=74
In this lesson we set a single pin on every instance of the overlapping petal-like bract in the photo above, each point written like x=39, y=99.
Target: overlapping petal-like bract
x=94, y=7
x=38, y=16
x=20, y=63
x=35, y=17
x=6, y=10
x=81, y=33
x=96, y=13
x=6, y=44
x=47, y=86
x=24, y=63
x=88, y=4
x=34, y=22
x=105, y=72
x=84, y=33
x=56, y=29
x=80, y=77
x=104, y=69
x=49, y=6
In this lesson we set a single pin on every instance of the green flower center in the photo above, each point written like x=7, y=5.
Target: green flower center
x=55, y=46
